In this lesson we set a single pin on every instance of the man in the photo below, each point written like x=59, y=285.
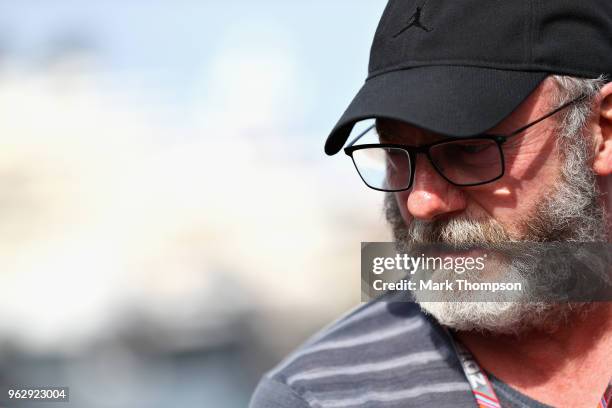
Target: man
x=534, y=74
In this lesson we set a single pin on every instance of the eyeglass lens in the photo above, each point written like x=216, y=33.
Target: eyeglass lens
x=462, y=162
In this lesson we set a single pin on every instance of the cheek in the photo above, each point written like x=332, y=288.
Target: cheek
x=532, y=166
x=529, y=177
x=535, y=159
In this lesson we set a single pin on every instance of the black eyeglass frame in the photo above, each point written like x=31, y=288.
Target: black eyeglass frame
x=412, y=151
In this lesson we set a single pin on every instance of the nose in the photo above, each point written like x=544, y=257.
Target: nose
x=431, y=196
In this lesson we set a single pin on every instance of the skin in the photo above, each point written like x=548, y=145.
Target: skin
x=572, y=366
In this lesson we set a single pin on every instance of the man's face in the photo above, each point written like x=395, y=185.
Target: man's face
x=533, y=165
x=548, y=193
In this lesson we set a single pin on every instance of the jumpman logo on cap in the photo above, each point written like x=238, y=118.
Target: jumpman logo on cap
x=415, y=21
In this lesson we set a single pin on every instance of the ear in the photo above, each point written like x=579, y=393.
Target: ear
x=602, y=164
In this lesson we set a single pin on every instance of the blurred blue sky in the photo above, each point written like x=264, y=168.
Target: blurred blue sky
x=167, y=193
x=172, y=119
x=167, y=48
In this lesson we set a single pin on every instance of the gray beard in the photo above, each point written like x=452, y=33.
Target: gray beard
x=570, y=212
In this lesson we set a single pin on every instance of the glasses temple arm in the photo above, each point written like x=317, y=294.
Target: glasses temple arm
x=548, y=115
x=360, y=135
x=516, y=132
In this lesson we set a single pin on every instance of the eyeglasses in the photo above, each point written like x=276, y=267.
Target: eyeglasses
x=462, y=162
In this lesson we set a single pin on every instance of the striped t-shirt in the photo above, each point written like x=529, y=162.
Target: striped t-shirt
x=384, y=355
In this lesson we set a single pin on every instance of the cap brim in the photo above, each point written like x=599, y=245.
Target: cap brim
x=449, y=100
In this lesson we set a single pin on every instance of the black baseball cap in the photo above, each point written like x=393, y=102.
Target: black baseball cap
x=459, y=67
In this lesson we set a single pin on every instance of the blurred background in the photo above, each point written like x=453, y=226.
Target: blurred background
x=170, y=227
